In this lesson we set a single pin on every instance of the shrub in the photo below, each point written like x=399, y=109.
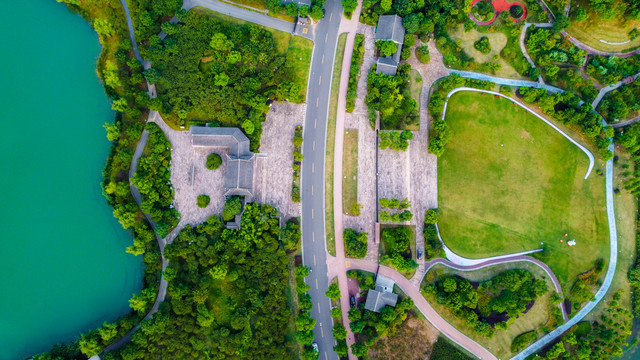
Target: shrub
x=354, y=71
x=483, y=10
x=431, y=216
x=521, y=341
x=422, y=53
x=355, y=243
x=483, y=45
x=386, y=47
x=516, y=11
x=214, y=161
x=203, y=201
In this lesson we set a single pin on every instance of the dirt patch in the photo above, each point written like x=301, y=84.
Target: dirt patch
x=412, y=341
x=525, y=135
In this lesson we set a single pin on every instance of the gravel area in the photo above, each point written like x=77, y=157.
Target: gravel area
x=274, y=174
x=191, y=178
x=359, y=119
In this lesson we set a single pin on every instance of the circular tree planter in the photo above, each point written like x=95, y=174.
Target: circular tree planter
x=483, y=11
x=516, y=12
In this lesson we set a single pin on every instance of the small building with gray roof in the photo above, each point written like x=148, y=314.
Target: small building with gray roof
x=382, y=295
x=390, y=28
x=238, y=177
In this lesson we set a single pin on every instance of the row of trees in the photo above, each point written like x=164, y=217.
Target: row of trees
x=297, y=163
x=619, y=103
x=395, y=140
x=153, y=180
x=304, y=322
x=316, y=10
x=355, y=243
x=220, y=72
x=354, y=72
x=608, y=9
x=397, y=217
x=395, y=203
x=432, y=244
x=390, y=96
x=507, y=295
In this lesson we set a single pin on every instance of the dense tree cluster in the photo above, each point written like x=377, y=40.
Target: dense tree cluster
x=219, y=304
x=611, y=9
x=619, y=103
x=550, y=50
x=483, y=45
x=441, y=133
x=148, y=17
x=506, y=295
x=395, y=140
x=354, y=71
x=369, y=326
x=602, y=339
x=355, y=243
x=390, y=96
x=297, y=163
x=153, y=180
x=221, y=72
x=419, y=16
x=394, y=203
x=608, y=70
x=316, y=11
x=568, y=109
x=397, y=248
x=581, y=290
x=432, y=244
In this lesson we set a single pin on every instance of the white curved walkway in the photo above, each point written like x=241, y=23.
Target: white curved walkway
x=584, y=149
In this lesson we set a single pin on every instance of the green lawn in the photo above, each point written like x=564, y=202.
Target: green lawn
x=350, y=171
x=299, y=57
x=331, y=142
x=508, y=182
x=500, y=343
x=594, y=29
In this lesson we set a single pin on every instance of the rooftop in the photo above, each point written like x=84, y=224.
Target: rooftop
x=382, y=295
x=390, y=28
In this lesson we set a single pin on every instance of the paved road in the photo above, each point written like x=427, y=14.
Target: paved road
x=314, y=251
x=242, y=14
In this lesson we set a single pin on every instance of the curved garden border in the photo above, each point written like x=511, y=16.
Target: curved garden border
x=464, y=88
x=498, y=7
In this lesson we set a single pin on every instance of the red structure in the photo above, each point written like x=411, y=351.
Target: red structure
x=498, y=7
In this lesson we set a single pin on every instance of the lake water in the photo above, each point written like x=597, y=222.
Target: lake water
x=62, y=254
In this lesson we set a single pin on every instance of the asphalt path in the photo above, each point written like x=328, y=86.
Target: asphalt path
x=312, y=190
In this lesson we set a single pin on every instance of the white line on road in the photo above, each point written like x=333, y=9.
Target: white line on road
x=320, y=80
x=313, y=237
x=330, y=17
x=314, y=263
x=325, y=37
x=313, y=165
x=316, y=279
x=323, y=59
x=319, y=313
x=314, y=145
x=317, y=101
x=321, y=331
x=325, y=353
x=315, y=123
x=312, y=213
x=312, y=191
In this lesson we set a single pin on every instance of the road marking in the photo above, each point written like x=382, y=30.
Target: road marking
x=347, y=263
x=312, y=213
x=315, y=122
x=316, y=280
x=321, y=331
x=314, y=145
x=313, y=165
x=319, y=80
x=313, y=237
x=325, y=354
x=330, y=17
x=305, y=30
x=312, y=191
x=317, y=101
x=320, y=324
x=325, y=37
x=323, y=59
x=314, y=263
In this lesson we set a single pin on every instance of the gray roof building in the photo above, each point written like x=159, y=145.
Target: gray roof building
x=389, y=28
x=238, y=177
x=298, y=2
x=382, y=295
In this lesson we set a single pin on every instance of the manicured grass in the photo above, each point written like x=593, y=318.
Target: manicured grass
x=508, y=182
x=500, y=343
x=331, y=143
x=594, y=29
x=412, y=247
x=497, y=40
x=415, y=87
x=350, y=171
x=299, y=57
x=625, y=209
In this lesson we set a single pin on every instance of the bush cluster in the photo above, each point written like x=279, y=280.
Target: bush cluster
x=619, y=103
x=403, y=216
x=297, y=164
x=214, y=161
x=395, y=140
x=422, y=53
x=203, y=201
x=396, y=242
x=483, y=45
x=355, y=243
x=394, y=203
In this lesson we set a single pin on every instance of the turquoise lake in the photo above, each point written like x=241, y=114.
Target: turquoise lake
x=62, y=253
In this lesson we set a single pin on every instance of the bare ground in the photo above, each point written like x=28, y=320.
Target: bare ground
x=274, y=172
x=412, y=341
x=359, y=119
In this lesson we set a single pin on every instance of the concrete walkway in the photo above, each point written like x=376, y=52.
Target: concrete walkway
x=584, y=149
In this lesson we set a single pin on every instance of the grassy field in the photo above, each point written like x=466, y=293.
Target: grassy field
x=594, y=29
x=500, y=343
x=331, y=144
x=497, y=40
x=508, y=182
x=412, y=246
x=350, y=171
x=625, y=209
